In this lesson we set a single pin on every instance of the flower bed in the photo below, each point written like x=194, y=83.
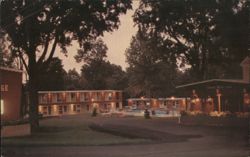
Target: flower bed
x=216, y=119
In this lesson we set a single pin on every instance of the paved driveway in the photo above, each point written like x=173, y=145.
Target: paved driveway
x=213, y=142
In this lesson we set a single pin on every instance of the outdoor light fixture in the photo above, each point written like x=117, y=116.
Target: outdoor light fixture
x=172, y=97
x=2, y=107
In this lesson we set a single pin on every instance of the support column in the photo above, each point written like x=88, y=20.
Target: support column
x=219, y=99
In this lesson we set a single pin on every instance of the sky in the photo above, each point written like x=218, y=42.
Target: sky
x=117, y=42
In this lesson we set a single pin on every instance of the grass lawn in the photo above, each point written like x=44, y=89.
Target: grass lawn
x=68, y=130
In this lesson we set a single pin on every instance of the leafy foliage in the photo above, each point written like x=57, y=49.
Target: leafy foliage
x=74, y=81
x=36, y=28
x=104, y=75
x=96, y=51
x=149, y=75
x=52, y=77
x=207, y=35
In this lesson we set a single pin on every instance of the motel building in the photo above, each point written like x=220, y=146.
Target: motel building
x=165, y=104
x=11, y=88
x=219, y=95
x=54, y=103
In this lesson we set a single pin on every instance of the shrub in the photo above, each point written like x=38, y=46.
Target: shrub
x=183, y=113
x=94, y=113
x=146, y=114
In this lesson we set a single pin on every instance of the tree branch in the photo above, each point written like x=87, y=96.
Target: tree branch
x=52, y=52
x=44, y=51
x=23, y=61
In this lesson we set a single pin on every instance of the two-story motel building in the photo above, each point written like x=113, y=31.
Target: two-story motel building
x=54, y=103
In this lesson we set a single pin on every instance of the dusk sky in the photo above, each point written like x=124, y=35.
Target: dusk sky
x=117, y=42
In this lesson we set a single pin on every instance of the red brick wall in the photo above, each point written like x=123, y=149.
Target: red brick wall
x=11, y=96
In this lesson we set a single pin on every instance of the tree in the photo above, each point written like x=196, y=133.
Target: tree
x=6, y=58
x=98, y=72
x=104, y=75
x=73, y=80
x=149, y=75
x=52, y=77
x=96, y=52
x=198, y=33
x=36, y=28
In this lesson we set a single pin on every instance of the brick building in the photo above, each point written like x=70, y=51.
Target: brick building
x=11, y=88
x=52, y=103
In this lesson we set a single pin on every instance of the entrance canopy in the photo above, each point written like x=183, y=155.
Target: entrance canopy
x=225, y=92
x=210, y=87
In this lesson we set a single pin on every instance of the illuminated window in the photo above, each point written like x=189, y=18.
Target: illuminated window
x=110, y=95
x=2, y=108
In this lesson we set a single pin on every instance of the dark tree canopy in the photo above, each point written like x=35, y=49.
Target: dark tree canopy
x=35, y=29
x=207, y=34
x=96, y=51
x=149, y=75
x=74, y=81
x=33, y=25
x=104, y=75
x=52, y=77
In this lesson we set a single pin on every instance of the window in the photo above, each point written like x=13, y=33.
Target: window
x=49, y=110
x=82, y=97
x=71, y=97
x=117, y=95
x=65, y=108
x=44, y=110
x=60, y=109
x=117, y=105
x=74, y=108
x=54, y=98
x=98, y=96
x=78, y=108
x=59, y=97
x=86, y=96
x=43, y=98
x=110, y=95
x=162, y=104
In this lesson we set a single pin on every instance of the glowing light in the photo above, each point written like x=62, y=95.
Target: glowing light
x=54, y=108
x=72, y=107
x=172, y=98
x=40, y=108
x=2, y=107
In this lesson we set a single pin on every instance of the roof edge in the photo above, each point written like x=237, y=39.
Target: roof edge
x=11, y=69
x=220, y=80
x=70, y=91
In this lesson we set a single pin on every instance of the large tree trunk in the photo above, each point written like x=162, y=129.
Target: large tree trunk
x=33, y=97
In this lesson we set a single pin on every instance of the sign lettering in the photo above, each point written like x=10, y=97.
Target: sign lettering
x=4, y=88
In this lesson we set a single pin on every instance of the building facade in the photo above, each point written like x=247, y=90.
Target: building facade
x=220, y=94
x=54, y=103
x=11, y=88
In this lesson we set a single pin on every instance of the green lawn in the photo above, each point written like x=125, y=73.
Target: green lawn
x=70, y=130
